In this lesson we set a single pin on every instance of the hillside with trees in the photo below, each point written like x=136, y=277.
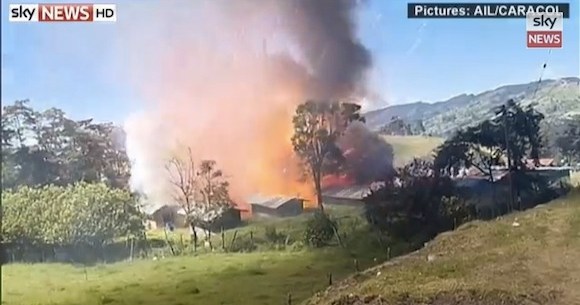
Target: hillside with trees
x=556, y=99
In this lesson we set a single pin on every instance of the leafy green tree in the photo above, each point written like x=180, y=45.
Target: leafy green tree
x=41, y=148
x=510, y=138
x=320, y=229
x=397, y=127
x=417, y=205
x=568, y=142
x=88, y=214
x=317, y=126
x=420, y=127
x=476, y=147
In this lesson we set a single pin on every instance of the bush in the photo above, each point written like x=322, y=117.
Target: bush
x=418, y=207
x=243, y=244
x=454, y=212
x=319, y=230
x=273, y=236
x=88, y=214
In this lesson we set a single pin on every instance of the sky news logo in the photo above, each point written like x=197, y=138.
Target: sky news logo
x=62, y=12
x=544, y=30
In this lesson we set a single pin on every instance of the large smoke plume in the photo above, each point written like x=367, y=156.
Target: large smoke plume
x=224, y=78
x=368, y=158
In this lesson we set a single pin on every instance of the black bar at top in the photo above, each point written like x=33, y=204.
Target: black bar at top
x=483, y=10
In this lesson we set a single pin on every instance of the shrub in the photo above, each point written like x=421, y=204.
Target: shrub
x=243, y=244
x=454, y=212
x=418, y=206
x=272, y=235
x=91, y=214
x=319, y=230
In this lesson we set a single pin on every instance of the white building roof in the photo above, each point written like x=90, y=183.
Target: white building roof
x=272, y=202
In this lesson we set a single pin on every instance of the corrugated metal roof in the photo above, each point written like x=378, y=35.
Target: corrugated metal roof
x=151, y=208
x=351, y=192
x=269, y=201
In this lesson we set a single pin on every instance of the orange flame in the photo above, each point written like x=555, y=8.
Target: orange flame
x=213, y=92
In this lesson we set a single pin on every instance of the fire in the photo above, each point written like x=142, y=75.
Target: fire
x=209, y=84
x=342, y=180
x=273, y=168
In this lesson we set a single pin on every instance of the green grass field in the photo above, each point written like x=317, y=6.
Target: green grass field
x=236, y=279
x=481, y=263
x=405, y=148
x=261, y=277
x=290, y=230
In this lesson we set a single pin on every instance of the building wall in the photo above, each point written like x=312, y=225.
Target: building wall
x=262, y=211
x=170, y=214
x=291, y=208
x=230, y=219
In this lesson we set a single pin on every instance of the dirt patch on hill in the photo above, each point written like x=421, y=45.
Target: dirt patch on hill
x=497, y=297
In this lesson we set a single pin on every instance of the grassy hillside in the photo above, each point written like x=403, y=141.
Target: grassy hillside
x=290, y=230
x=555, y=98
x=406, y=148
x=524, y=258
x=261, y=277
x=235, y=279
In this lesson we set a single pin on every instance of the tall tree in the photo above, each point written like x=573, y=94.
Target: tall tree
x=568, y=142
x=317, y=126
x=47, y=147
x=397, y=127
x=203, y=193
x=511, y=138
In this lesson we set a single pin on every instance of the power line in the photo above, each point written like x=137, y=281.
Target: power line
x=542, y=73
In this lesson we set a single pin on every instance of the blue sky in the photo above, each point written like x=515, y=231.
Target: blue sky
x=68, y=65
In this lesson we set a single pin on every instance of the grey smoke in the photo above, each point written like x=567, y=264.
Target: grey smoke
x=326, y=33
x=205, y=83
x=368, y=158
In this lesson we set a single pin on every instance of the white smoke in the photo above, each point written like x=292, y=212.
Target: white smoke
x=147, y=142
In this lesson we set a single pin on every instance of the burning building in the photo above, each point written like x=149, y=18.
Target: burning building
x=276, y=206
x=209, y=82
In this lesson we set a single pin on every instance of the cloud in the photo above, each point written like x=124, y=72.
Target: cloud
x=418, y=40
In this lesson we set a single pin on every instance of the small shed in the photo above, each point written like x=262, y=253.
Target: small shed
x=278, y=206
x=163, y=215
x=231, y=218
x=346, y=196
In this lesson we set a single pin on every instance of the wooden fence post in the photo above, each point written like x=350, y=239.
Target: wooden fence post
x=356, y=269
x=252, y=239
x=329, y=279
x=289, y=302
x=223, y=239
x=194, y=240
x=233, y=240
x=132, y=247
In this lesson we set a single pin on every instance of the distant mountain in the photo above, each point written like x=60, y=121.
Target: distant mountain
x=556, y=99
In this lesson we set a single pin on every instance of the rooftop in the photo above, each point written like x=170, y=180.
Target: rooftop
x=350, y=192
x=272, y=202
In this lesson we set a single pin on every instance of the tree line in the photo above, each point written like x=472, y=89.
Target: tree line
x=64, y=183
x=423, y=200
x=46, y=147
